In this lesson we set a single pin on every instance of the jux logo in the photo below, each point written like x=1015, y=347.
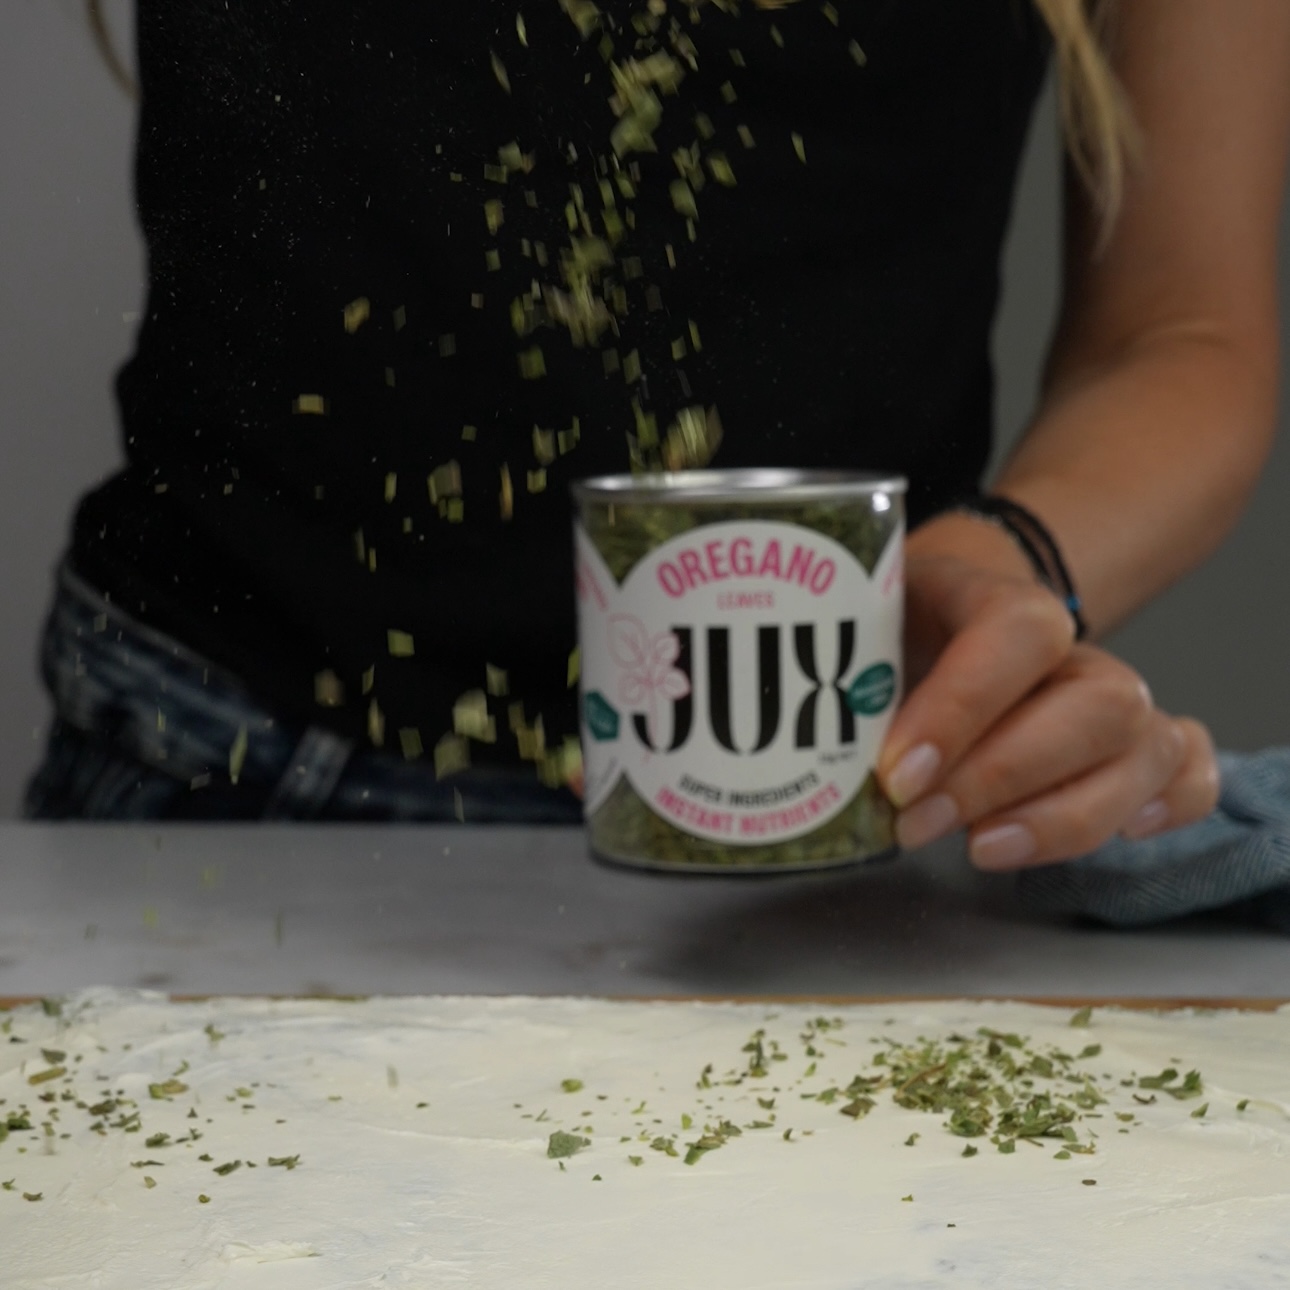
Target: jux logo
x=763, y=689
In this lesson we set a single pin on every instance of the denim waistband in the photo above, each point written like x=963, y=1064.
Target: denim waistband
x=159, y=703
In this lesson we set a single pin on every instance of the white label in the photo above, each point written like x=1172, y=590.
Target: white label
x=742, y=677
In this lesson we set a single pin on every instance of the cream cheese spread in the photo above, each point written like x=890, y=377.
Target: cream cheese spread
x=408, y=1142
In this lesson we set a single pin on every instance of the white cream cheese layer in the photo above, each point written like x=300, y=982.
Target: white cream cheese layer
x=411, y=1141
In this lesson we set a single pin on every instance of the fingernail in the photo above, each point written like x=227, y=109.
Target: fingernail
x=1006, y=847
x=926, y=821
x=1150, y=819
x=913, y=774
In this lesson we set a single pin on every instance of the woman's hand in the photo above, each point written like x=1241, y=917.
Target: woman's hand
x=1158, y=412
x=1043, y=748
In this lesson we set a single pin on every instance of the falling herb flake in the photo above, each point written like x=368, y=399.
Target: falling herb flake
x=400, y=644
x=43, y=1077
x=375, y=724
x=329, y=689
x=1166, y=1076
x=1082, y=1017
x=859, y=1107
x=506, y=497
x=357, y=312
x=721, y=170
x=284, y=1162
x=683, y=199
x=451, y=754
x=560, y=1146
x=1191, y=1086
x=799, y=147
x=695, y=1151
x=1199, y=1112
x=571, y=1085
x=237, y=755
x=532, y=363
x=499, y=71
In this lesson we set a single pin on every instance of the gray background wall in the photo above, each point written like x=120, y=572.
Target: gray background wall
x=71, y=284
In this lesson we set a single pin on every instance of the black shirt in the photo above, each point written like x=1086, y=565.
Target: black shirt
x=330, y=393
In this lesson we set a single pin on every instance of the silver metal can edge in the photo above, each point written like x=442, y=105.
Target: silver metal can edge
x=762, y=486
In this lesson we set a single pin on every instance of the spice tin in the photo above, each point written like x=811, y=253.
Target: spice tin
x=740, y=655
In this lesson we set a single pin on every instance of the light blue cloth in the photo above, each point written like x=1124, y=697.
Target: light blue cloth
x=1237, y=859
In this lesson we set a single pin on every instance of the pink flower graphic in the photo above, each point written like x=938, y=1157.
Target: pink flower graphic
x=647, y=661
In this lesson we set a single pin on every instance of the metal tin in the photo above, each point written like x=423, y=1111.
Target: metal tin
x=740, y=655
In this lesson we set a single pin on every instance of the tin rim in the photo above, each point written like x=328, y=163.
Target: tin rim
x=771, y=486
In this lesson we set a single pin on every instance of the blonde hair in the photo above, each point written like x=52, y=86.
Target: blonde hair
x=1100, y=134
x=107, y=48
x=1102, y=138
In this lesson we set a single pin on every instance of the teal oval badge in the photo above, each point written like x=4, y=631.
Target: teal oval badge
x=873, y=690
x=601, y=717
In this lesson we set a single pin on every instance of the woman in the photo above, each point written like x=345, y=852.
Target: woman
x=411, y=271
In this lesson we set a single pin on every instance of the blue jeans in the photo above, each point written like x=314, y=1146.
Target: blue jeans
x=146, y=729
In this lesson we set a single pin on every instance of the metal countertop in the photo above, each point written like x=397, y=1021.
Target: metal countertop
x=302, y=909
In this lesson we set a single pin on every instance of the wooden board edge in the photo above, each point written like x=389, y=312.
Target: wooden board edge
x=1132, y=1003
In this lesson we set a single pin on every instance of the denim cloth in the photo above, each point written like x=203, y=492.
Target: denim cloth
x=1236, y=859
x=146, y=729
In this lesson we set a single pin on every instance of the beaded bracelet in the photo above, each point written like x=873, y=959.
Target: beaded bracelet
x=1038, y=544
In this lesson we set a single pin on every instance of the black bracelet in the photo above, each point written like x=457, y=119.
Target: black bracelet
x=1041, y=549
